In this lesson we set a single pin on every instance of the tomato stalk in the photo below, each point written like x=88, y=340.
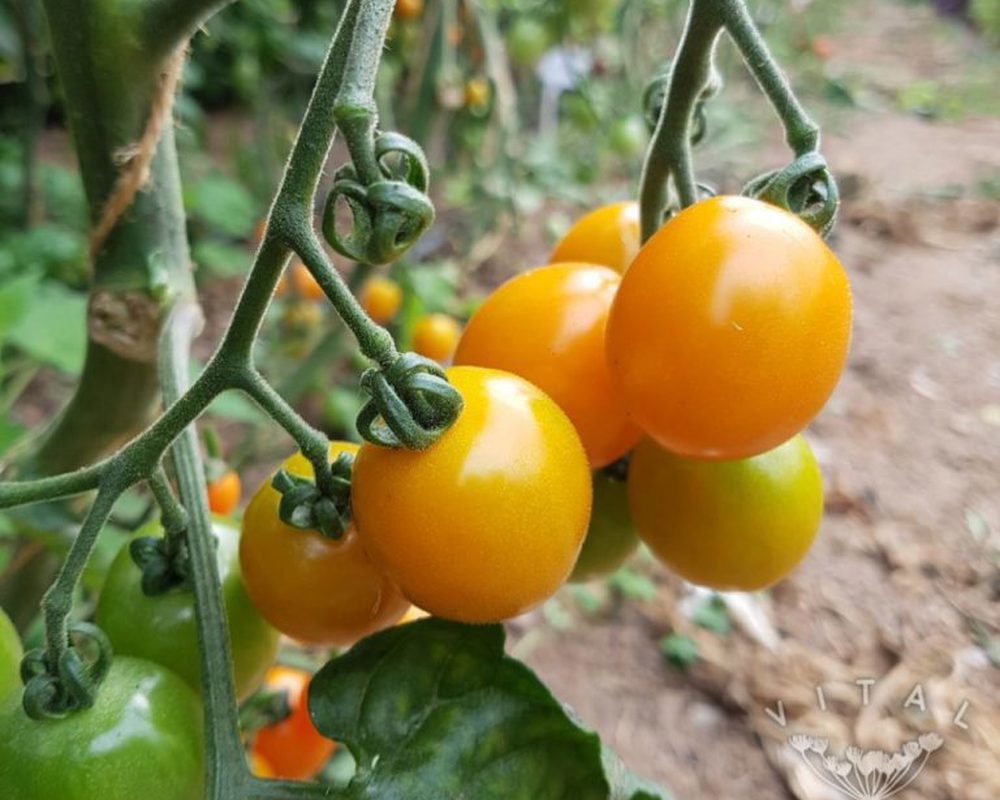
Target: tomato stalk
x=804, y=187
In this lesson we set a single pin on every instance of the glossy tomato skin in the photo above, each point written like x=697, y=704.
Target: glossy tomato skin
x=488, y=521
x=547, y=325
x=164, y=628
x=730, y=329
x=611, y=536
x=408, y=10
x=740, y=525
x=141, y=739
x=435, y=336
x=380, y=297
x=609, y=235
x=11, y=653
x=293, y=748
x=314, y=589
x=224, y=493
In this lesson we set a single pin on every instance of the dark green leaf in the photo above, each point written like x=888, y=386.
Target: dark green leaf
x=223, y=204
x=16, y=295
x=222, y=260
x=435, y=709
x=53, y=329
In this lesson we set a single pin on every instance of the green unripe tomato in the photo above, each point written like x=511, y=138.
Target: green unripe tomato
x=164, y=629
x=527, y=40
x=142, y=738
x=10, y=656
x=611, y=537
x=628, y=136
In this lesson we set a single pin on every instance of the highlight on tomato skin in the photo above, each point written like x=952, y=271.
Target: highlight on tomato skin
x=742, y=524
x=730, y=329
x=487, y=522
x=547, y=325
x=609, y=235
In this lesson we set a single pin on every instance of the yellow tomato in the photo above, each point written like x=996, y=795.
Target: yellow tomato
x=435, y=336
x=380, y=297
x=609, y=236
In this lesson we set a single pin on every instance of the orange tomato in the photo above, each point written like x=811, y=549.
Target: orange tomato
x=224, y=493
x=408, y=10
x=304, y=282
x=608, y=235
x=477, y=93
x=547, y=325
x=292, y=749
x=380, y=297
x=729, y=330
x=310, y=587
x=260, y=768
x=487, y=522
x=435, y=336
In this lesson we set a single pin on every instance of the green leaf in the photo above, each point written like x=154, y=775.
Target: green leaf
x=679, y=650
x=53, y=330
x=222, y=260
x=16, y=295
x=713, y=615
x=10, y=432
x=222, y=204
x=633, y=585
x=436, y=709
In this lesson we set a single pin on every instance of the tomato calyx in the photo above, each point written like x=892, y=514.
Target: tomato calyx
x=163, y=560
x=57, y=686
x=388, y=214
x=305, y=506
x=805, y=187
x=411, y=403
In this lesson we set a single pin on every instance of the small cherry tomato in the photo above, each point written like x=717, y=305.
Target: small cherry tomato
x=527, y=41
x=729, y=329
x=477, y=93
x=310, y=587
x=224, y=493
x=164, y=628
x=304, y=282
x=611, y=537
x=547, y=325
x=609, y=236
x=11, y=653
x=380, y=298
x=435, y=336
x=487, y=522
x=292, y=749
x=408, y=10
x=259, y=767
x=742, y=524
x=142, y=738
x=628, y=136
x=822, y=48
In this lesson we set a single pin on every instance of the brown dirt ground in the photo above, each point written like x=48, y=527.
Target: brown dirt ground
x=908, y=558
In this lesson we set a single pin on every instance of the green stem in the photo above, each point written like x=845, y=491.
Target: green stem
x=172, y=514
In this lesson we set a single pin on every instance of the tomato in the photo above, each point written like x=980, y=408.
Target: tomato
x=380, y=298
x=224, y=493
x=547, y=325
x=142, y=738
x=488, y=521
x=741, y=524
x=611, y=537
x=628, y=136
x=259, y=767
x=310, y=587
x=477, y=93
x=292, y=748
x=304, y=282
x=408, y=9
x=527, y=41
x=435, y=336
x=729, y=330
x=164, y=628
x=609, y=236
x=10, y=657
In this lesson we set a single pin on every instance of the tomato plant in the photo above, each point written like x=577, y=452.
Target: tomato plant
x=547, y=325
x=291, y=748
x=142, y=738
x=741, y=524
x=339, y=594
x=163, y=628
x=608, y=236
x=764, y=311
x=10, y=656
x=611, y=536
x=487, y=522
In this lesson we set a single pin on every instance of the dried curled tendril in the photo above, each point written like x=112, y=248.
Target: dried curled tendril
x=411, y=403
x=55, y=690
x=389, y=215
x=805, y=187
x=304, y=506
